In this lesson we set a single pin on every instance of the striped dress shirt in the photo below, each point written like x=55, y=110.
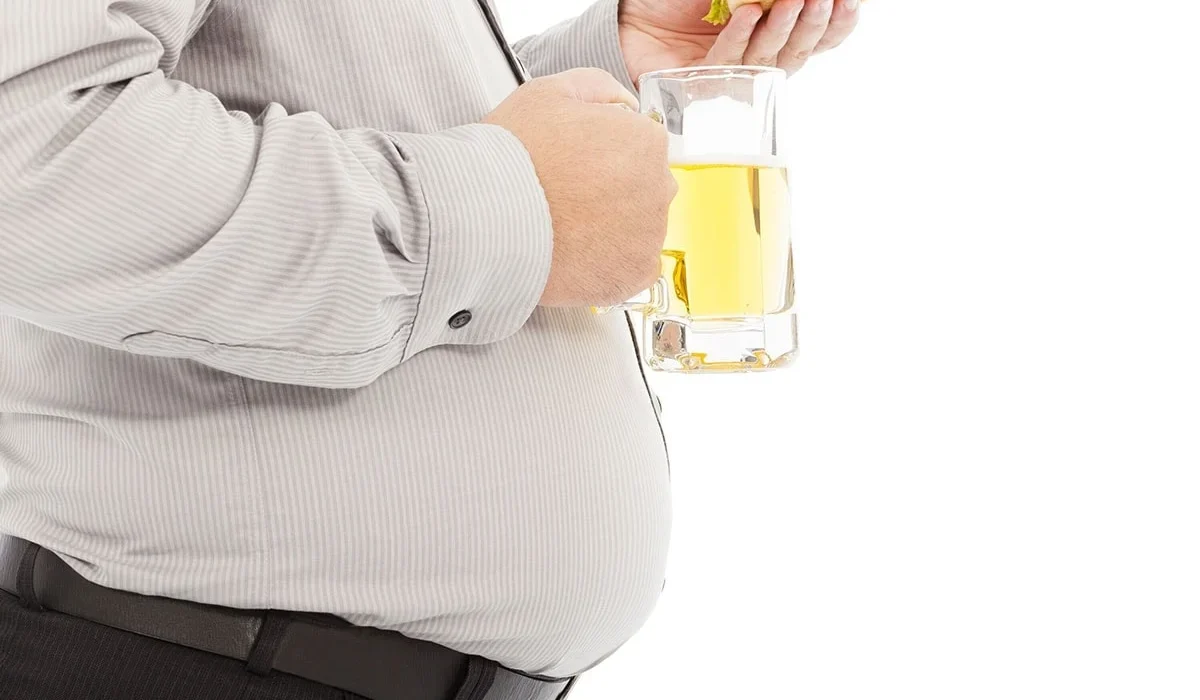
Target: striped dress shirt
x=269, y=334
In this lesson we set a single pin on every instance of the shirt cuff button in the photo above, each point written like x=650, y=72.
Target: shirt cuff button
x=460, y=319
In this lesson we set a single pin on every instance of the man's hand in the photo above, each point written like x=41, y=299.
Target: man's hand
x=604, y=171
x=658, y=34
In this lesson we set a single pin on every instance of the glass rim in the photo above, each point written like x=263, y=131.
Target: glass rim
x=691, y=72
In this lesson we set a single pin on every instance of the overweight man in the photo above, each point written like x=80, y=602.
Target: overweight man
x=300, y=394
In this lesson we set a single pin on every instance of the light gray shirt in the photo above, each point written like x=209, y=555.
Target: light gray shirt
x=232, y=237
x=496, y=75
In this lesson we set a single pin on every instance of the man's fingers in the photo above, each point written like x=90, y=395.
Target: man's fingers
x=730, y=47
x=592, y=85
x=814, y=20
x=773, y=32
x=845, y=17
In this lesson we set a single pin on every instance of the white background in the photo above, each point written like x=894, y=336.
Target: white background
x=982, y=480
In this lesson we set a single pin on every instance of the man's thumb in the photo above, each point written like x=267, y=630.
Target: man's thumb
x=594, y=86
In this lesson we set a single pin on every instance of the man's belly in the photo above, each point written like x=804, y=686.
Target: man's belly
x=508, y=500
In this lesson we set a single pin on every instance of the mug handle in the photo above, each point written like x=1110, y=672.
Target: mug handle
x=651, y=301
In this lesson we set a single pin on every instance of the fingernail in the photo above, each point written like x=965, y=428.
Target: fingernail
x=850, y=5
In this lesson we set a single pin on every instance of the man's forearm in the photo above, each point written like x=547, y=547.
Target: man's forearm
x=142, y=216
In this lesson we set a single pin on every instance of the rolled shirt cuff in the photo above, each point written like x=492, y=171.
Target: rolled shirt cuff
x=490, y=237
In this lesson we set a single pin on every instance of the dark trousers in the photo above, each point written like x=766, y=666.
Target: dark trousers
x=50, y=656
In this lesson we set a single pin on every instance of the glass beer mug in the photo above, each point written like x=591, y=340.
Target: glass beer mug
x=723, y=302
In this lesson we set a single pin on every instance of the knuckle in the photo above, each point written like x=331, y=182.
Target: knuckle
x=797, y=58
x=824, y=10
x=813, y=24
x=588, y=75
x=672, y=187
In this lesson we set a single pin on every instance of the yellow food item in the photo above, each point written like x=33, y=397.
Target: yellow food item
x=722, y=10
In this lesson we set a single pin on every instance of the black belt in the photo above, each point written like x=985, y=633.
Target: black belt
x=374, y=663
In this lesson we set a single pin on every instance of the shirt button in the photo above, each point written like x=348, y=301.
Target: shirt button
x=460, y=319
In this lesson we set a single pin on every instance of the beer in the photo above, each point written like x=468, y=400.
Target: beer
x=728, y=252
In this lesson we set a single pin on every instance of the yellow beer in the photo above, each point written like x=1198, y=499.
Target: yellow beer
x=728, y=247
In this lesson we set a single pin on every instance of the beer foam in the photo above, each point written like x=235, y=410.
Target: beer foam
x=736, y=159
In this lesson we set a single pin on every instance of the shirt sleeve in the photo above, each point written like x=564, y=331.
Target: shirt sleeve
x=587, y=41
x=139, y=214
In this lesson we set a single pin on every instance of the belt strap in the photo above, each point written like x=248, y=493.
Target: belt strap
x=373, y=663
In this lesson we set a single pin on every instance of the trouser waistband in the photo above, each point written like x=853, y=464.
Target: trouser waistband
x=376, y=664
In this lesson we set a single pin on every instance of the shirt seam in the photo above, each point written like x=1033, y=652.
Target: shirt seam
x=267, y=348
x=265, y=553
